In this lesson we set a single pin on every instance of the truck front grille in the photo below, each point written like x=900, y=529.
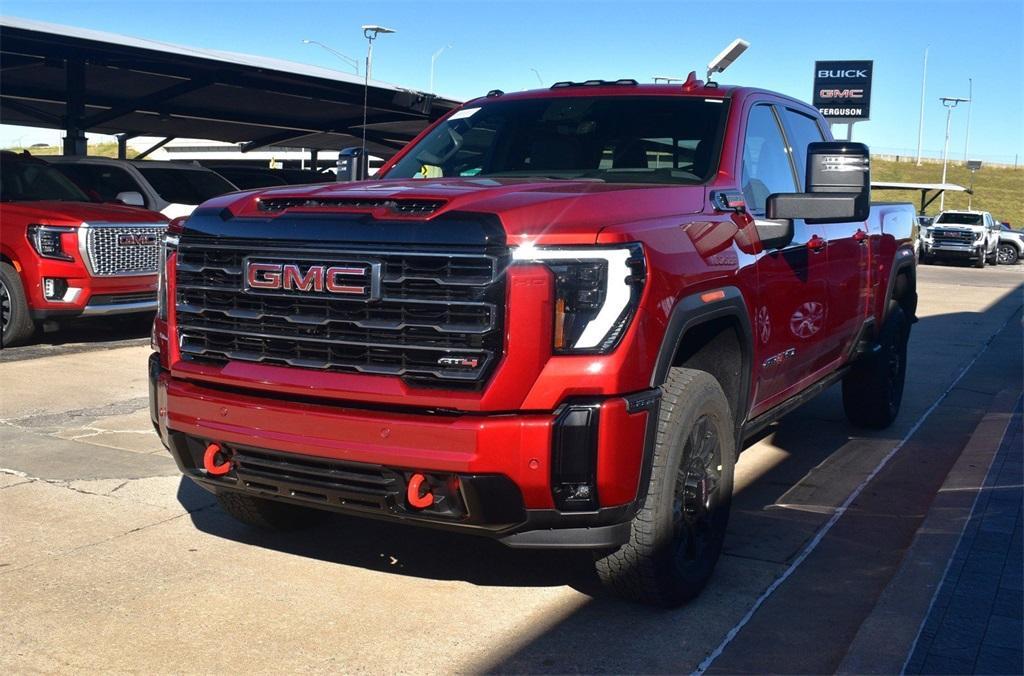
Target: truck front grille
x=435, y=320
x=952, y=236
x=113, y=249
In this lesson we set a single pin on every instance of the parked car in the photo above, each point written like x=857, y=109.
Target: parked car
x=553, y=321
x=63, y=254
x=1011, y=245
x=172, y=188
x=247, y=178
x=961, y=235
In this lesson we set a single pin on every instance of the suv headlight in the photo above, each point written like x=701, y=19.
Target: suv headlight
x=48, y=241
x=597, y=290
x=979, y=236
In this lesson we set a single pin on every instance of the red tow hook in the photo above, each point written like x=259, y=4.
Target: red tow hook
x=214, y=452
x=413, y=494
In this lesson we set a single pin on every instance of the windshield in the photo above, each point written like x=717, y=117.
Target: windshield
x=185, y=186
x=34, y=181
x=616, y=139
x=960, y=219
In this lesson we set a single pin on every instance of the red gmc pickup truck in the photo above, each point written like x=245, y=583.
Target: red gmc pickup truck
x=63, y=254
x=552, y=319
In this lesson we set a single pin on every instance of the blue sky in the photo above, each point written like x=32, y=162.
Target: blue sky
x=496, y=44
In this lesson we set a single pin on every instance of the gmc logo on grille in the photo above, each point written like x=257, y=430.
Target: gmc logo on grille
x=129, y=239
x=342, y=279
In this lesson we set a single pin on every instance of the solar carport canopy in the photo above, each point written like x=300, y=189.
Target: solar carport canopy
x=83, y=80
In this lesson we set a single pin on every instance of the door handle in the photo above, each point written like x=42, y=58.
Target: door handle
x=860, y=236
x=816, y=244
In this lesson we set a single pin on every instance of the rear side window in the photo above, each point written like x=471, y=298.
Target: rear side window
x=104, y=182
x=766, y=165
x=802, y=130
x=185, y=186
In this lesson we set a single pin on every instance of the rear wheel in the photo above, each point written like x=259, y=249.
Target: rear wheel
x=677, y=535
x=15, y=321
x=269, y=514
x=873, y=389
x=1007, y=254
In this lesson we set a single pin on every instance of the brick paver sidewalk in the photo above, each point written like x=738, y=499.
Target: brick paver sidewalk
x=974, y=626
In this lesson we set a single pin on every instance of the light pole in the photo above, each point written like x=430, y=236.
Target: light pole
x=950, y=102
x=539, y=78
x=370, y=32
x=347, y=59
x=970, y=104
x=920, y=121
x=433, y=59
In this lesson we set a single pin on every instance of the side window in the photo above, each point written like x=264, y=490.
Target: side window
x=105, y=182
x=766, y=165
x=802, y=130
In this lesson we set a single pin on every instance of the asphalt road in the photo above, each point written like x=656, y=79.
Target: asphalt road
x=109, y=561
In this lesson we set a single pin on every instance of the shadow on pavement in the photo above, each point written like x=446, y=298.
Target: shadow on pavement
x=68, y=336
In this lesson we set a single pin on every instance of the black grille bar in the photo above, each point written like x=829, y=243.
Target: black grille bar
x=438, y=320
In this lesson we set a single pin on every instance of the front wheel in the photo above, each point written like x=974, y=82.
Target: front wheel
x=16, y=323
x=873, y=389
x=676, y=536
x=1007, y=254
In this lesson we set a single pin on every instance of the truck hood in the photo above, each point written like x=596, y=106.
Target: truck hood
x=75, y=213
x=547, y=210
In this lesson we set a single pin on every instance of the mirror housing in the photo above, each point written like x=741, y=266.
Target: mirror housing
x=351, y=165
x=132, y=198
x=837, y=190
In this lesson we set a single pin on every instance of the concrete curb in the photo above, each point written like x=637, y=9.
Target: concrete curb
x=888, y=635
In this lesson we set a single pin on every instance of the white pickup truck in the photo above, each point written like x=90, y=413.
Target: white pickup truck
x=971, y=235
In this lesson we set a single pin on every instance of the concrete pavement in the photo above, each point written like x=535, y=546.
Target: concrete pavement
x=108, y=560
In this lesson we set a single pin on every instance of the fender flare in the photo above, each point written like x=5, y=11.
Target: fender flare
x=903, y=260
x=692, y=311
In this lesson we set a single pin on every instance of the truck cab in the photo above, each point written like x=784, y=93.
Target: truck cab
x=63, y=254
x=552, y=319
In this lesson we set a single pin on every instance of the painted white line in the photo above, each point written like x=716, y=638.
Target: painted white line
x=974, y=505
x=823, y=531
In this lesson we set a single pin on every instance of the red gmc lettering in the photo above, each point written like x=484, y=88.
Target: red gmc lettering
x=271, y=278
x=313, y=280
x=335, y=285
x=318, y=278
x=841, y=93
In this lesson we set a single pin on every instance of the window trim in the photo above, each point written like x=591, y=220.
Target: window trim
x=773, y=109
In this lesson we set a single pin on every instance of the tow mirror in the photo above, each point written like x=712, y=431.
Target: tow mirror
x=838, y=186
x=351, y=165
x=132, y=198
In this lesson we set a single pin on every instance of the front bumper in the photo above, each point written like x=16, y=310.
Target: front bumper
x=952, y=250
x=494, y=474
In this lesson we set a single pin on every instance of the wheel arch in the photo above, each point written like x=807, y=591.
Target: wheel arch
x=710, y=331
x=902, y=286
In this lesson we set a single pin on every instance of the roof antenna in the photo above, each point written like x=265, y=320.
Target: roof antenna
x=727, y=56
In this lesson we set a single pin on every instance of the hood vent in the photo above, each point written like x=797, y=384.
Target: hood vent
x=405, y=207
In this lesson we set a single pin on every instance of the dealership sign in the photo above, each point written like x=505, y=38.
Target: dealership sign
x=842, y=90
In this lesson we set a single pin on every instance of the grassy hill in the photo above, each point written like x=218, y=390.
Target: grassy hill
x=105, y=149
x=999, y=190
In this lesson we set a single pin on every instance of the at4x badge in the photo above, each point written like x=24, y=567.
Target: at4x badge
x=459, y=362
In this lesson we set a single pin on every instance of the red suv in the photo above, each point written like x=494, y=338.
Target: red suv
x=553, y=319
x=61, y=254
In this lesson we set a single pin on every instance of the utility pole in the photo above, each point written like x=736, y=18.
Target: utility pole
x=970, y=104
x=950, y=102
x=920, y=121
x=433, y=60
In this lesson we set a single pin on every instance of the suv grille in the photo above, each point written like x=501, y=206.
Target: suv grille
x=437, y=320
x=115, y=249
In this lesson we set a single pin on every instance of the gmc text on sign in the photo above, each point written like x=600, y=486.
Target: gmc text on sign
x=842, y=90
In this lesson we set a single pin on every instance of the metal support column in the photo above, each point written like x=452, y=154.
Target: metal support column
x=75, y=142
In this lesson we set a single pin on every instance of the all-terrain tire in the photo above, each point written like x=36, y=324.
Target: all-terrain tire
x=676, y=536
x=993, y=258
x=15, y=320
x=269, y=514
x=981, y=260
x=873, y=389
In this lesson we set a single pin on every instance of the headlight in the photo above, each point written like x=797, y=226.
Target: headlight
x=168, y=245
x=47, y=240
x=926, y=234
x=979, y=236
x=596, y=293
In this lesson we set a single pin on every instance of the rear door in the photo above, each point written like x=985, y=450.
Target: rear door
x=848, y=269
x=792, y=305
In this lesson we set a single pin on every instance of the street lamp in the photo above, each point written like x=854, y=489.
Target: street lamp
x=539, y=78
x=370, y=32
x=950, y=102
x=347, y=59
x=433, y=59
